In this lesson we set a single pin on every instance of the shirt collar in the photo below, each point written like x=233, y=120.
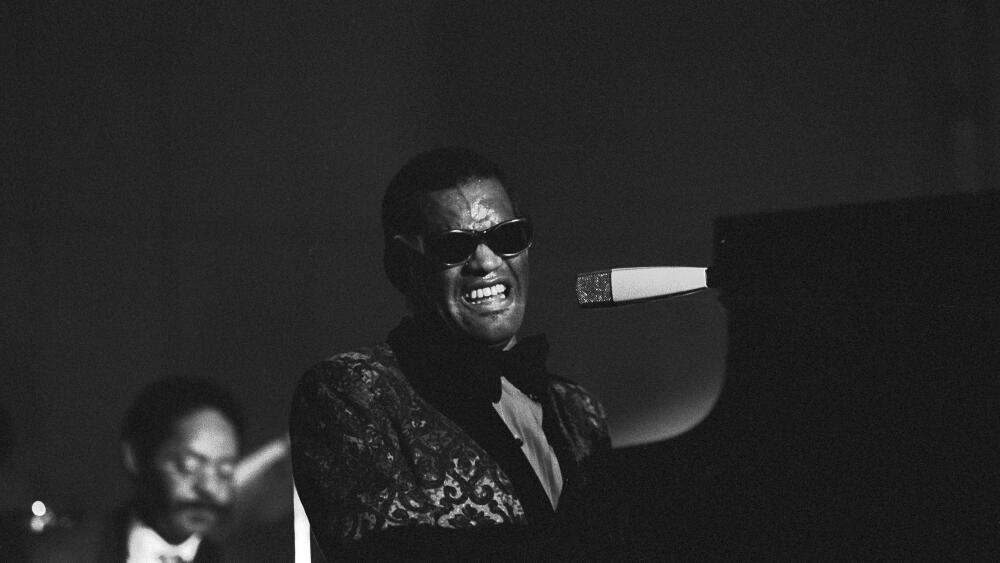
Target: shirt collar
x=145, y=545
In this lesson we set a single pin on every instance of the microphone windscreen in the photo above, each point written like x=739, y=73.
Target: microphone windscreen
x=593, y=288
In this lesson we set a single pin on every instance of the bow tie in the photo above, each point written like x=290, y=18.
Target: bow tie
x=524, y=366
x=444, y=367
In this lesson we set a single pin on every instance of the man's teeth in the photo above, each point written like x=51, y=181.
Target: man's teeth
x=484, y=292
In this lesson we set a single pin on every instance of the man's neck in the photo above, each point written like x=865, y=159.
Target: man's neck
x=432, y=321
x=510, y=343
x=145, y=517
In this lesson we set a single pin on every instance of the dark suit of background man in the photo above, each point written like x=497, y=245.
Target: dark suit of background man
x=180, y=445
x=451, y=439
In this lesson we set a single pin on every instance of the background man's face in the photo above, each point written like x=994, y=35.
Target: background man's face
x=192, y=476
x=477, y=205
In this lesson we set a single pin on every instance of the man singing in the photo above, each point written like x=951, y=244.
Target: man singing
x=450, y=439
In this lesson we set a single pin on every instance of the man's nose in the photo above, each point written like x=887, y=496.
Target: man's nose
x=484, y=260
x=215, y=487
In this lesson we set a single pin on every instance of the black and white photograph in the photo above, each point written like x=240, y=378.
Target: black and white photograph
x=310, y=282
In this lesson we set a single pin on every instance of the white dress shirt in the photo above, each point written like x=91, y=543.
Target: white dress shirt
x=524, y=418
x=146, y=546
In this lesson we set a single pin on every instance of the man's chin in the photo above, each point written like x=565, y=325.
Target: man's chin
x=494, y=328
x=493, y=336
x=196, y=520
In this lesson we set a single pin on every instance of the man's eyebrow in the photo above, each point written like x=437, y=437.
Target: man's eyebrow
x=203, y=457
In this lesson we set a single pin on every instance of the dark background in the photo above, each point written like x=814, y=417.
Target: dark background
x=191, y=188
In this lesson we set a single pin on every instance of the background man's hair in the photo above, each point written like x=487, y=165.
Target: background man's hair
x=431, y=171
x=151, y=418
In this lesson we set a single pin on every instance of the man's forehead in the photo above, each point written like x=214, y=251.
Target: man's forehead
x=476, y=200
x=206, y=432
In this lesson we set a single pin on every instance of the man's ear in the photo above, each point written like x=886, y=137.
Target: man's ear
x=405, y=267
x=129, y=460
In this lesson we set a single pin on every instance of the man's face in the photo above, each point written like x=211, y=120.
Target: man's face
x=191, y=478
x=494, y=320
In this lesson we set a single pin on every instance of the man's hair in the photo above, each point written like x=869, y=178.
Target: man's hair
x=151, y=419
x=431, y=171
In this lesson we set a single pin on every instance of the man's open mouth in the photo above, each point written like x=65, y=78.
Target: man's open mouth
x=487, y=294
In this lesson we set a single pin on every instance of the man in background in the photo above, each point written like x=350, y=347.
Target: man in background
x=180, y=444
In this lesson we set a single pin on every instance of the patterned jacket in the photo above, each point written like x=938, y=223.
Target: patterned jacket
x=370, y=454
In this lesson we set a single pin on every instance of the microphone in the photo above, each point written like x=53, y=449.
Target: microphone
x=619, y=286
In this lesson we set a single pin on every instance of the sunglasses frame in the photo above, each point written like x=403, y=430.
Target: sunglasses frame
x=480, y=238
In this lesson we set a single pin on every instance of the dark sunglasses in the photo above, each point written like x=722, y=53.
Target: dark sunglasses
x=457, y=246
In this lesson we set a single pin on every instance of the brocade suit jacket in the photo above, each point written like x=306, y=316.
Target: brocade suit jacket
x=379, y=467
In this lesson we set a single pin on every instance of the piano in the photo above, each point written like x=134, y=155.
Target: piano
x=860, y=414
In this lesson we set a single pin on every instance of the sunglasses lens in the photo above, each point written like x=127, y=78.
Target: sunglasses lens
x=510, y=238
x=452, y=248
x=455, y=247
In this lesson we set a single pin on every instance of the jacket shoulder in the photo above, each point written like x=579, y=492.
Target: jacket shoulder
x=357, y=377
x=574, y=396
x=582, y=418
